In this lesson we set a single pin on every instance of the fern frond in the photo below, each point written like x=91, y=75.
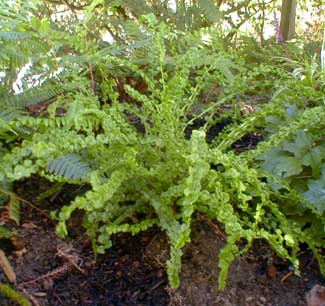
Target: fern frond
x=11, y=113
x=39, y=123
x=31, y=96
x=16, y=11
x=15, y=58
x=11, y=35
x=69, y=166
x=13, y=295
x=6, y=117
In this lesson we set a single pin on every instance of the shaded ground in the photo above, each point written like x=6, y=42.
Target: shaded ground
x=257, y=278
x=132, y=272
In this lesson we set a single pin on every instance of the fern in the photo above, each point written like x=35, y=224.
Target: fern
x=209, y=11
x=12, y=294
x=180, y=236
x=5, y=233
x=32, y=96
x=5, y=117
x=13, y=36
x=68, y=166
x=157, y=177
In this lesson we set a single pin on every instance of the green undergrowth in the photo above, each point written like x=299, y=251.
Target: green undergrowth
x=143, y=172
x=13, y=295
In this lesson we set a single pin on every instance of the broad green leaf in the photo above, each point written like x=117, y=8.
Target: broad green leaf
x=314, y=160
x=316, y=194
x=300, y=146
x=288, y=166
x=281, y=163
x=273, y=123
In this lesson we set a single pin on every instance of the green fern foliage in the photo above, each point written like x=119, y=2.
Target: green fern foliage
x=6, y=116
x=14, y=295
x=13, y=36
x=5, y=233
x=118, y=120
x=31, y=96
x=68, y=166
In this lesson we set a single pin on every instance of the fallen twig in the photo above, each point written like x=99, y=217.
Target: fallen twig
x=71, y=258
x=7, y=268
x=56, y=273
x=284, y=278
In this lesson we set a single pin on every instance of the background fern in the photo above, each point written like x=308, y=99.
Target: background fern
x=69, y=166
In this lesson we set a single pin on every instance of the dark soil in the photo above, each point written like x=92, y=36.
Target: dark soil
x=212, y=132
x=132, y=271
x=247, y=142
x=257, y=278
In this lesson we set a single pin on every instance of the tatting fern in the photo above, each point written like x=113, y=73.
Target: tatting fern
x=139, y=178
x=14, y=295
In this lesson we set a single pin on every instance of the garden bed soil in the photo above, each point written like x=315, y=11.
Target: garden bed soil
x=132, y=273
